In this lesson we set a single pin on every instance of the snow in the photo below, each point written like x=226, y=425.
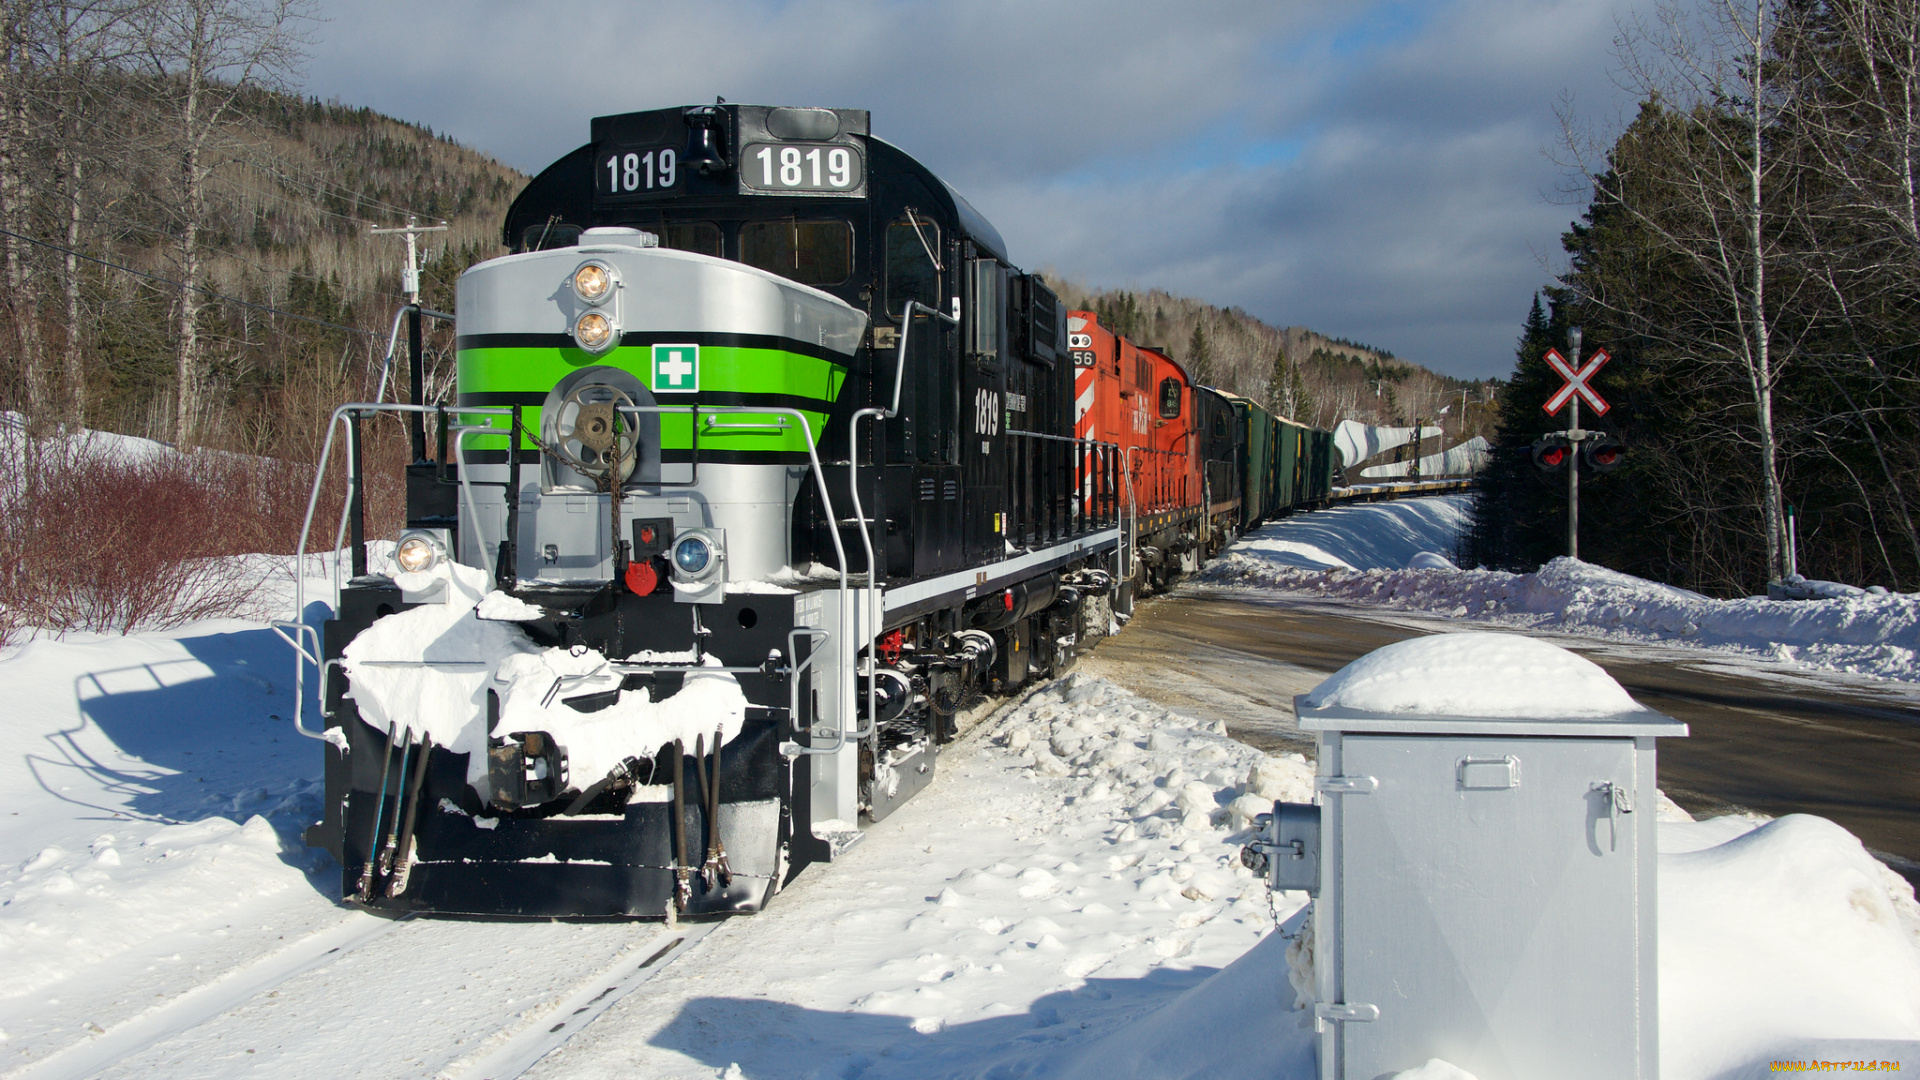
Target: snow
x=500, y=607
x=125, y=448
x=1372, y=554
x=1065, y=900
x=429, y=669
x=1788, y=931
x=1449, y=675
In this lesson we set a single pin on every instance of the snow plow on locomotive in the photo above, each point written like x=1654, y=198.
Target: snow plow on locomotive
x=765, y=464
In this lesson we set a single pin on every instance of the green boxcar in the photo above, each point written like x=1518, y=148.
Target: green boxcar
x=1292, y=440
x=1256, y=459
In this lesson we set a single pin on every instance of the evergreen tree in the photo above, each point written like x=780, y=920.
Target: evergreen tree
x=1513, y=506
x=1287, y=393
x=1199, y=363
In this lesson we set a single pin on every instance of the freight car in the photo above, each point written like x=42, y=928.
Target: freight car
x=765, y=463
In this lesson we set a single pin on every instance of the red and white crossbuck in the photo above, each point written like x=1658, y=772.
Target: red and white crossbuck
x=1577, y=382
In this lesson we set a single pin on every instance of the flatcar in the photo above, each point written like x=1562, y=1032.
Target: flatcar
x=765, y=463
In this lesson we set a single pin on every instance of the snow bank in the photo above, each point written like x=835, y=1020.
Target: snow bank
x=1498, y=676
x=1782, y=934
x=1355, y=537
x=1364, y=553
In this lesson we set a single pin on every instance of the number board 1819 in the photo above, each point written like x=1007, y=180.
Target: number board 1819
x=645, y=170
x=802, y=168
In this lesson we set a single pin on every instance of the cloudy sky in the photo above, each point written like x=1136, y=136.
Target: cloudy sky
x=1378, y=172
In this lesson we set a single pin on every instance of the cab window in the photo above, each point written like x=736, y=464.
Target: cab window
x=701, y=237
x=809, y=252
x=911, y=274
x=549, y=235
x=988, y=289
x=1169, y=398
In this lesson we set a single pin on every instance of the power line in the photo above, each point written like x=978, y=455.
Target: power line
x=183, y=285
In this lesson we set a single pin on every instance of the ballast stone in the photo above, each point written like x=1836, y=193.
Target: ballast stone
x=1449, y=675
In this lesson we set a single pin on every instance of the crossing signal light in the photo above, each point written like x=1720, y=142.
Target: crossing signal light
x=1603, y=454
x=1552, y=452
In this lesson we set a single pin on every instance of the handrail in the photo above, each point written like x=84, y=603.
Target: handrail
x=341, y=414
x=1079, y=444
x=300, y=630
x=1133, y=513
x=393, y=342
x=826, y=505
x=860, y=513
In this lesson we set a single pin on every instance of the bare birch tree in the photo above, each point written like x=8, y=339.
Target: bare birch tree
x=207, y=53
x=1857, y=125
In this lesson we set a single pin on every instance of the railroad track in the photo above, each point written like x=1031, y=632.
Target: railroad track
x=389, y=996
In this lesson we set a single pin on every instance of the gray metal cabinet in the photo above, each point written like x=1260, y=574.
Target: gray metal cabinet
x=1487, y=895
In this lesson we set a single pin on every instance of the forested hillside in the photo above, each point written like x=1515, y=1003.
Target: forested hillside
x=172, y=218
x=1750, y=258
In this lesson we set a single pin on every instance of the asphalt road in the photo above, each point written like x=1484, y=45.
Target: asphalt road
x=1764, y=738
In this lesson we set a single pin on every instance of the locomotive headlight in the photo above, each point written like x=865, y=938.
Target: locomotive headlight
x=593, y=332
x=593, y=282
x=693, y=555
x=416, y=552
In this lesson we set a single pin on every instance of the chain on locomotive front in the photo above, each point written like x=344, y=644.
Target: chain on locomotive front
x=712, y=555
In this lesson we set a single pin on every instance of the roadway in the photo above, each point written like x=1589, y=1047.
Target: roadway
x=1768, y=738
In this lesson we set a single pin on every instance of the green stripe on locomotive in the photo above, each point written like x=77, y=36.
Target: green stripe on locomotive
x=729, y=376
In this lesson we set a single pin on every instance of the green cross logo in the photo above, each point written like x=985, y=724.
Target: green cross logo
x=676, y=369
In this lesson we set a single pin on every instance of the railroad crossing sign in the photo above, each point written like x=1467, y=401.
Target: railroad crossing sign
x=1577, y=382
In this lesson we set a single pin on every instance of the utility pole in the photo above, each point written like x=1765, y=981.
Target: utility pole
x=410, y=284
x=1574, y=435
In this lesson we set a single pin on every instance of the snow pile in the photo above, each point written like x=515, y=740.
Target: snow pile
x=1074, y=868
x=1777, y=935
x=1370, y=554
x=127, y=448
x=1362, y=536
x=1474, y=674
x=1223, y=1029
x=633, y=726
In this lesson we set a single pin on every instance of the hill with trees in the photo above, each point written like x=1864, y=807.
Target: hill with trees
x=1294, y=371
x=186, y=247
